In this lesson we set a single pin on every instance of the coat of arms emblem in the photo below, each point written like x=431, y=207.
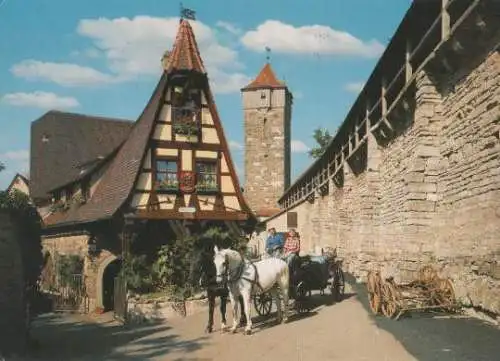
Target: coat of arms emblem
x=187, y=181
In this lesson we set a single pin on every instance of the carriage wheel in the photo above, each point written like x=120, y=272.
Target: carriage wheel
x=374, y=300
x=389, y=303
x=373, y=288
x=301, y=298
x=446, y=293
x=263, y=304
x=338, y=284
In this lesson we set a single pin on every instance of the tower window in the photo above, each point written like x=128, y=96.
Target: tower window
x=263, y=95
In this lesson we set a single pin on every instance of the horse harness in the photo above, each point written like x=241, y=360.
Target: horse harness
x=239, y=273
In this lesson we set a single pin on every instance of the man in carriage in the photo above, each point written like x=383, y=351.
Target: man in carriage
x=274, y=242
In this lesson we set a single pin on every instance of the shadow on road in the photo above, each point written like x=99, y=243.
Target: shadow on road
x=429, y=338
x=63, y=337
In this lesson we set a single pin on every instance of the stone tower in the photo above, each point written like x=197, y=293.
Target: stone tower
x=267, y=107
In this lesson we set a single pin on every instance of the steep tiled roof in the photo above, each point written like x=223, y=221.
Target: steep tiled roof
x=265, y=79
x=63, y=144
x=185, y=54
x=119, y=178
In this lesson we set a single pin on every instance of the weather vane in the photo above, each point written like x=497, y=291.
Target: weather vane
x=268, y=54
x=187, y=13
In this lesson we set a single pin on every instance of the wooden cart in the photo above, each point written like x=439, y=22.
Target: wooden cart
x=427, y=292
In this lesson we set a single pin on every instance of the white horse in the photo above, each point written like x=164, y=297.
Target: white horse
x=246, y=278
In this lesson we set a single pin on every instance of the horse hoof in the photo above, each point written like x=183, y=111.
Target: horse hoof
x=248, y=332
x=208, y=330
x=233, y=330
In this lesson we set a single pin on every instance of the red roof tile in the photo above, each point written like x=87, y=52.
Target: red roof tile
x=185, y=54
x=265, y=79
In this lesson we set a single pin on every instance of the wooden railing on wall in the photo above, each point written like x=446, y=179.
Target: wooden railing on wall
x=364, y=118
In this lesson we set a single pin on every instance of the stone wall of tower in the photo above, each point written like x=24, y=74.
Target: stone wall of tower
x=267, y=118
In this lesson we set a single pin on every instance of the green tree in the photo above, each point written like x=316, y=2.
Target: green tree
x=322, y=138
x=28, y=225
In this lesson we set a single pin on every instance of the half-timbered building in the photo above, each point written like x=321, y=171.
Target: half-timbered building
x=171, y=170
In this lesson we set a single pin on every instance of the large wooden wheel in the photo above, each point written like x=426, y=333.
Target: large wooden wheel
x=301, y=298
x=390, y=300
x=338, y=284
x=373, y=288
x=263, y=303
x=446, y=293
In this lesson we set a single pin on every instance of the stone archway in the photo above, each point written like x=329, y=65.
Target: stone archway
x=100, y=280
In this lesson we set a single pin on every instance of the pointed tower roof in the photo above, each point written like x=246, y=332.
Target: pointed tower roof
x=265, y=79
x=185, y=54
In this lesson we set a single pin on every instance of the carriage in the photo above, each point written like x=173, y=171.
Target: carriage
x=312, y=273
x=426, y=292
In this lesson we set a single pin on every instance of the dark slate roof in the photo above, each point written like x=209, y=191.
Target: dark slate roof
x=118, y=180
x=185, y=54
x=64, y=146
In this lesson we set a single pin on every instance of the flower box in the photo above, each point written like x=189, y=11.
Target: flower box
x=207, y=188
x=187, y=129
x=168, y=187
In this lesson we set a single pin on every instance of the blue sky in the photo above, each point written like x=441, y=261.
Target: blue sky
x=103, y=58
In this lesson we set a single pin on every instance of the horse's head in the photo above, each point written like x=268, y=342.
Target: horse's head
x=221, y=261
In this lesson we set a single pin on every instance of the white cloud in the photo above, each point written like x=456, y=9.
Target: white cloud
x=235, y=145
x=308, y=39
x=298, y=95
x=231, y=28
x=298, y=146
x=39, y=99
x=65, y=74
x=354, y=87
x=19, y=155
x=134, y=46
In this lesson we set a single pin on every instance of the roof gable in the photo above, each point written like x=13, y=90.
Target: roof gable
x=115, y=190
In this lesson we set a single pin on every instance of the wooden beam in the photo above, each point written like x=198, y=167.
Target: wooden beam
x=185, y=145
x=408, y=66
x=445, y=20
x=198, y=215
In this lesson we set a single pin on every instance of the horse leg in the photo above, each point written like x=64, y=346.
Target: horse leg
x=284, y=283
x=275, y=294
x=223, y=305
x=234, y=303
x=211, y=304
x=243, y=317
x=245, y=298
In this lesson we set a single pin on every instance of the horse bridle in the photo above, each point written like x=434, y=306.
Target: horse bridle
x=239, y=271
